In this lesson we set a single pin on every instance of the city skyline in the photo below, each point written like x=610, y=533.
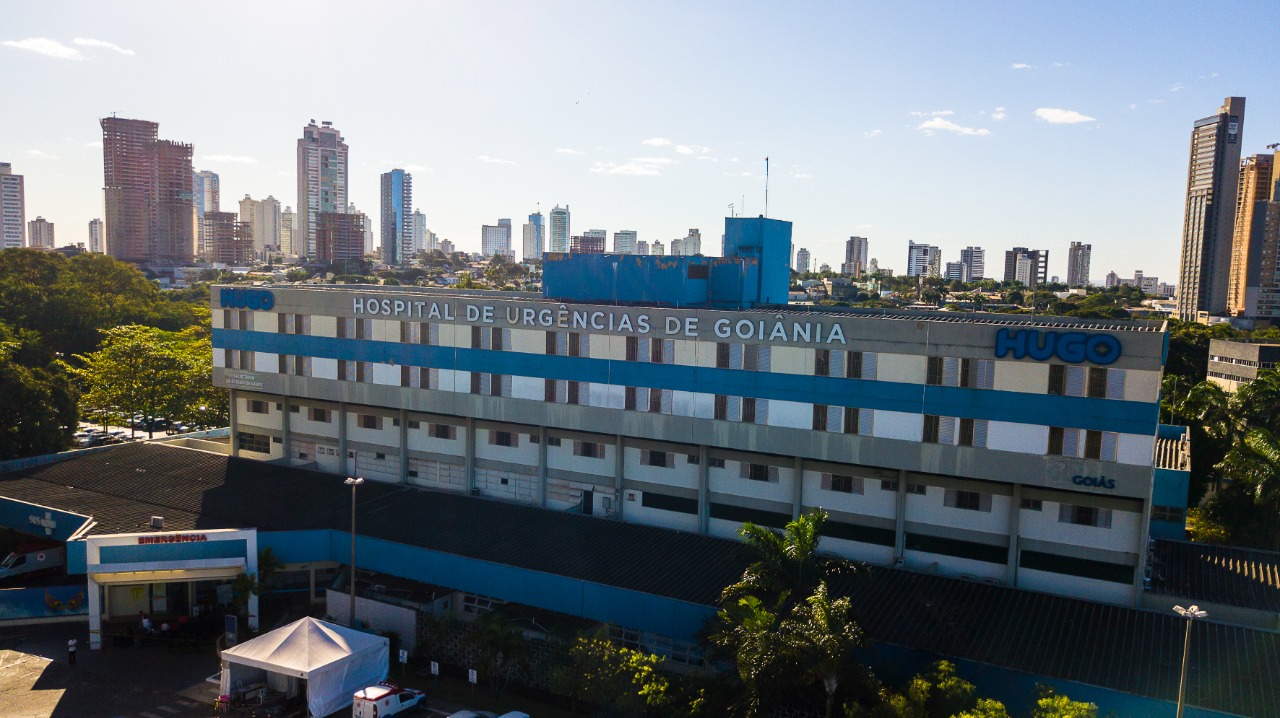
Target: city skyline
x=1024, y=129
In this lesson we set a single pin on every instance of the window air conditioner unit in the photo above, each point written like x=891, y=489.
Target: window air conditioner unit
x=157, y=522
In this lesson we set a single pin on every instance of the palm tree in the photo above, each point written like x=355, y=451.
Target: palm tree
x=750, y=639
x=1255, y=462
x=1208, y=404
x=787, y=563
x=1258, y=402
x=820, y=636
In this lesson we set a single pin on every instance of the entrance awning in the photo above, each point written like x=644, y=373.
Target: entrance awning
x=187, y=574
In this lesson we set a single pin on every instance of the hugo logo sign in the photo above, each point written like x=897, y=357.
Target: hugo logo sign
x=259, y=299
x=1070, y=347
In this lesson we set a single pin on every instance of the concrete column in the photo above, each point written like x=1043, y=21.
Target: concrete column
x=342, y=439
x=251, y=568
x=542, y=466
x=618, y=464
x=1015, y=518
x=704, y=489
x=95, y=613
x=797, y=500
x=235, y=425
x=470, y=460
x=900, y=518
x=404, y=446
x=286, y=439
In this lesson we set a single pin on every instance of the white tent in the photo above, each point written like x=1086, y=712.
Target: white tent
x=335, y=661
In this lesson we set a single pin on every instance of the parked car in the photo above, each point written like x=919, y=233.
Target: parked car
x=386, y=699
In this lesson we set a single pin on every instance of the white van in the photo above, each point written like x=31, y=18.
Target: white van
x=32, y=558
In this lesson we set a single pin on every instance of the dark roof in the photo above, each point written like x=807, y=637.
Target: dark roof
x=1217, y=574
x=1233, y=669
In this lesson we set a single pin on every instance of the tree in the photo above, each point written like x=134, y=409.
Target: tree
x=821, y=636
x=37, y=399
x=622, y=681
x=242, y=587
x=787, y=566
x=940, y=693
x=502, y=648
x=1254, y=465
x=1051, y=704
x=749, y=637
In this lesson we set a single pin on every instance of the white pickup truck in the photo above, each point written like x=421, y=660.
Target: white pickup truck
x=386, y=699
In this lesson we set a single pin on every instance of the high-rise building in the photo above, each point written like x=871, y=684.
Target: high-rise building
x=1037, y=263
x=147, y=188
x=418, y=232
x=597, y=234
x=446, y=247
x=974, y=258
x=1249, y=238
x=802, y=260
x=624, y=241
x=13, y=209
x=1208, y=223
x=534, y=238
x=40, y=233
x=95, y=236
x=855, y=257
x=207, y=193
x=496, y=239
x=559, y=230
x=287, y=223
x=923, y=260
x=692, y=243
x=873, y=266
x=340, y=237
x=1078, y=264
x=322, y=181
x=1113, y=280
x=956, y=271
x=657, y=250
x=642, y=248
x=397, y=207
x=264, y=219
x=587, y=244
x=230, y=239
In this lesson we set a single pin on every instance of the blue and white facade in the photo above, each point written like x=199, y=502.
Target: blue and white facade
x=982, y=446
x=397, y=217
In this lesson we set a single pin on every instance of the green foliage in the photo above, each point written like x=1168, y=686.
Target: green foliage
x=624, y=682
x=1051, y=704
x=787, y=566
x=501, y=646
x=820, y=636
x=37, y=398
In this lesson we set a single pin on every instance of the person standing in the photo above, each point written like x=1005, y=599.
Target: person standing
x=71, y=652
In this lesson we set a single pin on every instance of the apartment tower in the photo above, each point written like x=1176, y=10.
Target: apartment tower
x=559, y=230
x=322, y=181
x=855, y=257
x=1250, y=241
x=1078, y=264
x=496, y=239
x=534, y=238
x=95, y=236
x=147, y=188
x=13, y=212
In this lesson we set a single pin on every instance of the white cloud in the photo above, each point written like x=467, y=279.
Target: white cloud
x=86, y=42
x=1061, y=64
x=233, y=159
x=568, y=151
x=873, y=133
x=657, y=142
x=935, y=113
x=801, y=175
x=494, y=160
x=1022, y=66
x=37, y=154
x=639, y=166
x=417, y=168
x=938, y=123
x=95, y=143
x=1177, y=87
x=692, y=149
x=1058, y=116
x=47, y=47
x=999, y=114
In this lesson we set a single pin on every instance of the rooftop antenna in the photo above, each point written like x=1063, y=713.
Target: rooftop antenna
x=731, y=214
x=766, y=187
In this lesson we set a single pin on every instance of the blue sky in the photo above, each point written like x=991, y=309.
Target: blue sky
x=987, y=123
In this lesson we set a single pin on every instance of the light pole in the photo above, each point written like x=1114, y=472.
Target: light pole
x=351, y=615
x=1190, y=614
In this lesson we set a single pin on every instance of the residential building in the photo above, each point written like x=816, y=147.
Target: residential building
x=397, y=209
x=642, y=248
x=13, y=208
x=206, y=189
x=1233, y=364
x=1113, y=280
x=264, y=220
x=657, y=249
x=40, y=233
x=596, y=234
x=1035, y=267
x=230, y=239
x=803, y=262
x=559, y=229
x=322, y=182
x=147, y=188
x=370, y=243
x=587, y=244
x=340, y=237
x=957, y=271
x=873, y=267
x=418, y=232
x=496, y=240
x=692, y=245
x=446, y=246
x=855, y=257
x=677, y=247
x=95, y=236
x=624, y=241
x=1209, y=219
x=287, y=224
x=534, y=238
x=975, y=259
x=1251, y=245
x=1078, y=264
x=923, y=260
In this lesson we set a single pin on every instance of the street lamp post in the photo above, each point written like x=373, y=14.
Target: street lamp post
x=1190, y=614
x=351, y=615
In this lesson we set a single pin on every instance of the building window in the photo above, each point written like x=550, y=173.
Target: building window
x=1084, y=516
x=917, y=489
x=1032, y=504
x=257, y=443
x=364, y=372
x=1093, y=444
x=853, y=367
x=748, y=410
x=496, y=340
x=819, y=417
x=851, y=417
x=714, y=463
x=504, y=438
x=750, y=357
x=318, y=415
x=549, y=391
x=254, y=406
x=966, y=500
x=655, y=401
x=842, y=483
x=722, y=355
x=888, y=485
x=722, y=407
x=575, y=344
x=653, y=457
x=553, y=441
x=1097, y=386
x=933, y=375
x=369, y=421
x=1056, y=440
x=760, y=472
x=1168, y=513
x=932, y=426
x=656, y=351
x=476, y=341
x=573, y=391
x=424, y=333
x=633, y=349
x=629, y=398
x=1057, y=379
x=414, y=424
x=821, y=362
x=966, y=432
x=588, y=449
x=443, y=431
